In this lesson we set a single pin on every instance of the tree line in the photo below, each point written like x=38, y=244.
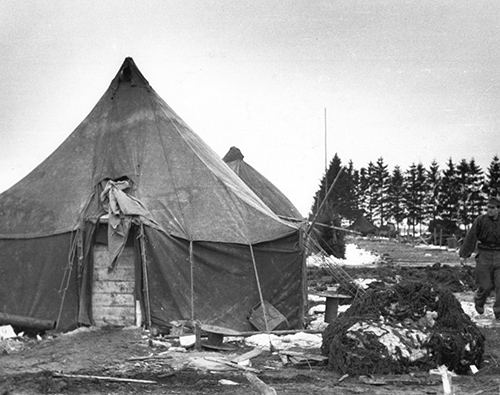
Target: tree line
x=418, y=196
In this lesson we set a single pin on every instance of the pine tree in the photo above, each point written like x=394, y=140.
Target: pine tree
x=449, y=194
x=476, y=199
x=410, y=195
x=357, y=194
x=370, y=202
x=364, y=190
x=337, y=203
x=422, y=195
x=380, y=190
x=351, y=196
x=396, y=207
x=433, y=182
x=463, y=183
x=415, y=194
x=493, y=177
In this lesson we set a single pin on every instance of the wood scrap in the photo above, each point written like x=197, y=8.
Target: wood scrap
x=105, y=378
x=251, y=333
x=151, y=356
x=300, y=358
x=259, y=385
x=248, y=355
x=232, y=364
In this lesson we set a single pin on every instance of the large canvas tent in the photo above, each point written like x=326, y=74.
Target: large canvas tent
x=263, y=188
x=134, y=212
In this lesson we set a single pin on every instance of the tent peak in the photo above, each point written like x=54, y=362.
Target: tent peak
x=233, y=154
x=129, y=73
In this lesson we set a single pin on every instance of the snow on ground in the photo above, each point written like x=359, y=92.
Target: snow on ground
x=319, y=316
x=301, y=340
x=364, y=282
x=355, y=256
x=486, y=319
x=434, y=247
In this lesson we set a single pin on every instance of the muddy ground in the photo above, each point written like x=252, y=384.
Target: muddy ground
x=114, y=352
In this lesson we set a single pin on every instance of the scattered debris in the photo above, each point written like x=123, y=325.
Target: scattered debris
x=227, y=382
x=187, y=341
x=232, y=364
x=301, y=340
x=372, y=380
x=259, y=385
x=248, y=355
x=303, y=359
x=342, y=378
x=7, y=332
x=446, y=376
x=106, y=378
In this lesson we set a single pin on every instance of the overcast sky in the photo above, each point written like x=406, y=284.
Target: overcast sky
x=409, y=81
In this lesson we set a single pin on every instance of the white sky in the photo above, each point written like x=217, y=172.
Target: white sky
x=406, y=80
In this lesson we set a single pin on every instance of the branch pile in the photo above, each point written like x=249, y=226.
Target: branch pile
x=401, y=328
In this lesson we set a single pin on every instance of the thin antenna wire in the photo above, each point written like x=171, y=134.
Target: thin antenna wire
x=326, y=142
x=326, y=153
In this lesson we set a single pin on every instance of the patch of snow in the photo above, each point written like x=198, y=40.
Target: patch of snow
x=315, y=298
x=82, y=329
x=363, y=282
x=354, y=256
x=430, y=247
x=482, y=320
x=320, y=308
x=318, y=323
x=300, y=340
x=405, y=342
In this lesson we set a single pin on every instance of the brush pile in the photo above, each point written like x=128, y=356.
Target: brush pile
x=402, y=328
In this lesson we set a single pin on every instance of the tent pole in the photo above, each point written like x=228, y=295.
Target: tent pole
x=145, y=274
x=259, y=289
x=191, y=273
x=67, y=275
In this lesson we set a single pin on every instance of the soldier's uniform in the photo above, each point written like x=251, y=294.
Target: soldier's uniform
x=485, y=236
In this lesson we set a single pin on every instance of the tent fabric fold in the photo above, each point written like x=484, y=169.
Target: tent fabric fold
x=134, y=159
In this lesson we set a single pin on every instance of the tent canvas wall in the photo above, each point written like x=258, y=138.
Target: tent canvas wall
x=263, y=188
x=202, y=240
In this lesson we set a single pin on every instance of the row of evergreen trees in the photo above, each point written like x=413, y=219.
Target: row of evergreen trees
x=416, y=196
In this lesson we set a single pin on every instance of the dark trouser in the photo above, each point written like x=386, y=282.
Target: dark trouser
x=488, y=278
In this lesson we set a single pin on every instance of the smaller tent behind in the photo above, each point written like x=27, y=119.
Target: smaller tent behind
x=363, y=226
x=261, y=186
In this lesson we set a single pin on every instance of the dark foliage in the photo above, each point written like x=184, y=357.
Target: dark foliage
x=454, y=340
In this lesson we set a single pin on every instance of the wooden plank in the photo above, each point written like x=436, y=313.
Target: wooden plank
x=113, y=299
x=114, y=287
x=101, y=257
x=106, y=315
x=120, y=273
